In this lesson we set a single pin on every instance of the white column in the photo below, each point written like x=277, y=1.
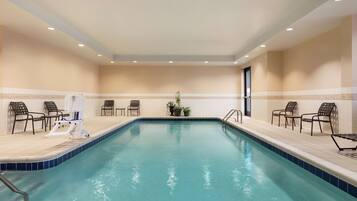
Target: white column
x=354, y=72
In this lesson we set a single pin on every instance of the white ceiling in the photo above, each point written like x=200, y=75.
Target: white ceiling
x=163, y=30
x=322, y=19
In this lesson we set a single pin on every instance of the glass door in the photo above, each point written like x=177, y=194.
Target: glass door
x=247, y=92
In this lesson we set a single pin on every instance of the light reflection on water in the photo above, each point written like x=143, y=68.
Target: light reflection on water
x=135, y=179
x=206, y=177
x=100, y=190
x=235, y=175
x=172, y=179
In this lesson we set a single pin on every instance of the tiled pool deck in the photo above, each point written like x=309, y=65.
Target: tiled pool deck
x=319, y=151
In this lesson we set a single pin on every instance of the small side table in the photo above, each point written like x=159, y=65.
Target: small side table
x=122, y=111
x=49, y=120
x=292, y=117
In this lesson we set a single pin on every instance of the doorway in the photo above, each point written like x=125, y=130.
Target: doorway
x=247, y=92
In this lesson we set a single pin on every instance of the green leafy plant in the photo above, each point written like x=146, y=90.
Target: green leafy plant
x=170, y=104
x=187, y=111
x=178, y=98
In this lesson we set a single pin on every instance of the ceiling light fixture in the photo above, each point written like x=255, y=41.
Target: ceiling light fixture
x=263, y=46
x=206, y=62
x=51, y=28
x=338, y=0
x=112, y=62
x=246, y=56
x=80, y=45
x=99, y=55
x=290, y=29
x=135, y=62
x=171, y=62
x=236, y=62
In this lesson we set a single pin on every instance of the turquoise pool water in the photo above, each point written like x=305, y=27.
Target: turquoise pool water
x=175, y=161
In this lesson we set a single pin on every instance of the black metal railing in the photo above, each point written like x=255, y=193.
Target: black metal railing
x=238, y=113
x=12, y=187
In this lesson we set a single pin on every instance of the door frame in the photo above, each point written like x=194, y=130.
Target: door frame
x=246, y=95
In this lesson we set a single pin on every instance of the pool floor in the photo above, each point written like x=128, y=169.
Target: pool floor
x=153, y=160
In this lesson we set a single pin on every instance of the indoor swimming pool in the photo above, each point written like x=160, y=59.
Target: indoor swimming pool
x=161, y=160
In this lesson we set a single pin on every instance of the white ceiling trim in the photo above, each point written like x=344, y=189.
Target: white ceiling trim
x=54, y=21
x=176, y=58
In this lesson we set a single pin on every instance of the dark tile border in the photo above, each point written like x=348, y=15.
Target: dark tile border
x=33, y=166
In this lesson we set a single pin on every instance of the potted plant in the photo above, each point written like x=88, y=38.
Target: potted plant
x=178, y=98
x=177, y=110
x=187, y=111
x=171, y=106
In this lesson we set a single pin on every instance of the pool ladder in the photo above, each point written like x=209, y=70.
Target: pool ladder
x=12, y=187
x=231, y=113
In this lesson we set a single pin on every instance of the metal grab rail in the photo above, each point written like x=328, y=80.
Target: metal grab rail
x=13, y=188
x=231, y=113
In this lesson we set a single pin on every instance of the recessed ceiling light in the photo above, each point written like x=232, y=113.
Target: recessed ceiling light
x=290, y=29
x=263, y=46
x=80, y=45
x=99, y=55
x=135, y=62
x=206, y=62
x=236, y=62
x=338, y=0
x=112, y=62
x=171, y=62
x=246, y=56
x=51, y=28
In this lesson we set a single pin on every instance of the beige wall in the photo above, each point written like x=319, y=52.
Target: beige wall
x=346, y=53
x=31, y=64
x=33, y=72
x=311, y=72
x=267, y=71
x=323, y=62
x=259, y=71
x=208, y=90
x=149, y=79
x=275, y=71
x=1, y=44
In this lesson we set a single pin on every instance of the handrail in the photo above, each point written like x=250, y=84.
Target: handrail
x=231, y=113
x=13, y=188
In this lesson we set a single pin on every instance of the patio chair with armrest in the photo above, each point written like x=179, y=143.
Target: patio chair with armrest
x=289, y=110
x=21, y=113
x=323, y=115
x=53, y=113
x=108, y=106
x=134, y=106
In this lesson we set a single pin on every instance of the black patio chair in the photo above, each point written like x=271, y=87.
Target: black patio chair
x=323, y=115
x=22, y=114
x=53, y=112
x=108, y=106
x=352, y=137
x=289, y=110
x=134, y=106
